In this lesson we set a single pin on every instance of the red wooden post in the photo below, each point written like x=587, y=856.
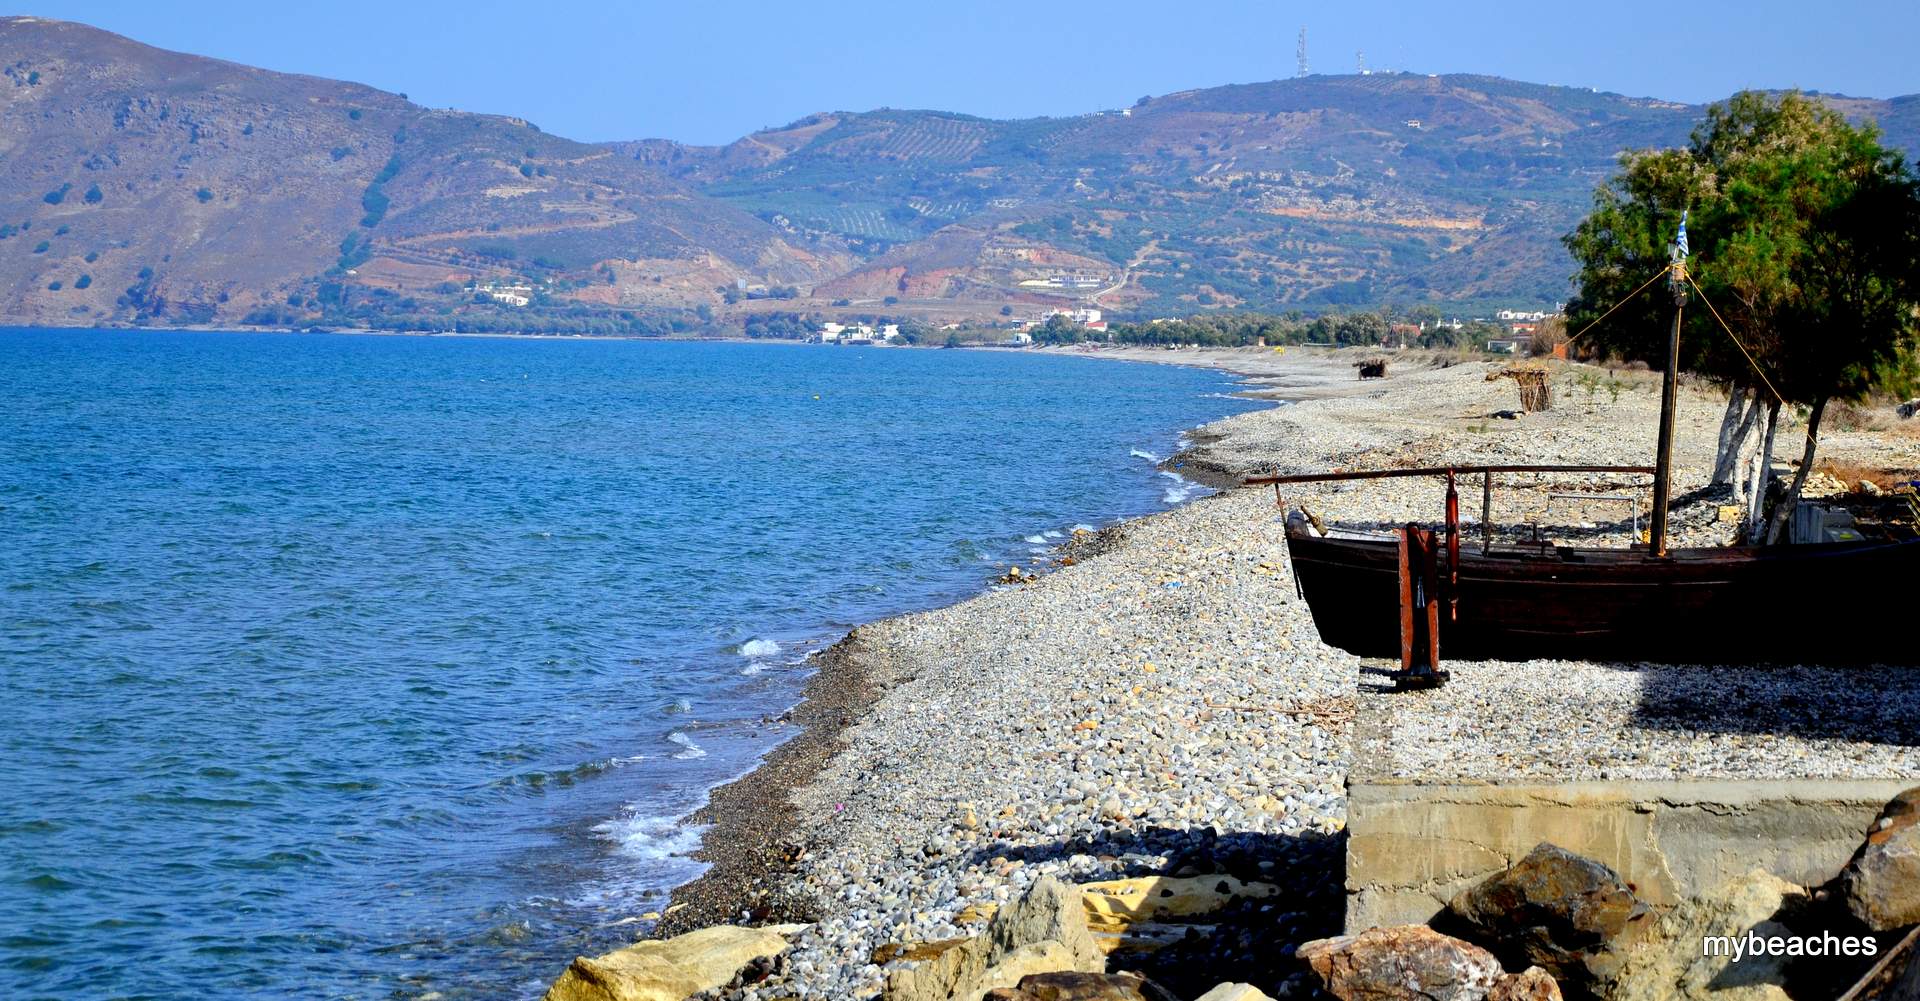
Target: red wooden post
x=1406, y=599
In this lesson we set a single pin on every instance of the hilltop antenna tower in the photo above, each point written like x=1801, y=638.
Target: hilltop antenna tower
x=1361, y=59
x=1300, y=53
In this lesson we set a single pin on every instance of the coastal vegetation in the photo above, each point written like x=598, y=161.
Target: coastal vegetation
x=1805, y=232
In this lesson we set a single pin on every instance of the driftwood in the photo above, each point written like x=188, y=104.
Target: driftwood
x=1372, y=368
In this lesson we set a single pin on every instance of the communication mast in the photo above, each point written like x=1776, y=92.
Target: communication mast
x=1300, y=53
x=1361, y=58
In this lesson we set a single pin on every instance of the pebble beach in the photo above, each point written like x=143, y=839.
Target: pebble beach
x=1156, y=697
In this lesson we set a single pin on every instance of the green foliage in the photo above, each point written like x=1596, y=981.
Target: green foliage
x=41, y=247
x=93, y=195
x=374, y=200
x=354, y=114
x=53, y=286
x=83, y=281
x=780, y=326
x=1802, y=236
x=57, y=195
x=204, y=195
x=339, y=153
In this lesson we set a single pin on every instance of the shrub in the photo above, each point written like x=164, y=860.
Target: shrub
x=93, y=195
x=340, y=153
x=204, y=195
x=354, y=114
x=83, y=281
x=62, y=231
x=57, y=195
x=53, y=287
x=92, y=256
x=41, y=247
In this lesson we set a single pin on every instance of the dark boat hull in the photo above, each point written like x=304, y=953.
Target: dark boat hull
x=1833, y=603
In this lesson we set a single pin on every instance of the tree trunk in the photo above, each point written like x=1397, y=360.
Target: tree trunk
x=1777, y=527
x=1762, y=475
x=1736, y=426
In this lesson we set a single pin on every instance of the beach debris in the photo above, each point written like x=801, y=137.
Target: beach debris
x=671, y=969
x=1372, y=368
x=1908, y=410
x=1564, y=912
x=1015, y=575
x=1070, y=986
x=1536, y=394
x=1882, y=880
x=1044, y=931
x=1403, y=963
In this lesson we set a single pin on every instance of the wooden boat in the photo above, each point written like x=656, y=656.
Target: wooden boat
x=1843, y=602
x=1416, y=593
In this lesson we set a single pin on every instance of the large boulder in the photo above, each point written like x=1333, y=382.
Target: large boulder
x=1082, y=987
x=1568, y=914
x=1683, y=958
x=1406, y=963
x=1045, y=931
x=1133, y=913
x=669, y=969
x=1883, y=879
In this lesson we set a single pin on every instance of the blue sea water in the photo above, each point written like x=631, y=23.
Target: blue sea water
x=384, y=667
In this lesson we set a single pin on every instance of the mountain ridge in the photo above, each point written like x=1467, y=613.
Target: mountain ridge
x=139, y=185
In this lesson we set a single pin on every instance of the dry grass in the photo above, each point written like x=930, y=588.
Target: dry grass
x=1851, y=473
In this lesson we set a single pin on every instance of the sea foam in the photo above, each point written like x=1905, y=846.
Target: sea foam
x=689, y=750
x=759, y=648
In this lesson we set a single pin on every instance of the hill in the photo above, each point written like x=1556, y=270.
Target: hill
x=139, y=185
x=149, y=186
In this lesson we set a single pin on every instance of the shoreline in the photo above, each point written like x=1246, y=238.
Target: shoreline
x=747, y=843
x=1162, y=706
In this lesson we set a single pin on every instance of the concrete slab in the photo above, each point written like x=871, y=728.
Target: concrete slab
x=1448, y=788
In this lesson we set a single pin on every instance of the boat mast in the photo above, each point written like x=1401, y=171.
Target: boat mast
x=1663, y=465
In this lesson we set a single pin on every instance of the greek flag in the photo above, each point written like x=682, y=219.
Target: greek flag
x=1680, y=239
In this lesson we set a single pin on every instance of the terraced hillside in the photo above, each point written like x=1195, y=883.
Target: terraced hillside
x=1320, y=191
x=144, y=186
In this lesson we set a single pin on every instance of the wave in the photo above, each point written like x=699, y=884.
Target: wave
x=1052, y=534
x=1182, y=490
x=678, y=706
x=689, y=750
x=759, y=648
x=650, y=837
x=1038, y=540
x=1141, y=453
x=754, y=667
x=1084, y=527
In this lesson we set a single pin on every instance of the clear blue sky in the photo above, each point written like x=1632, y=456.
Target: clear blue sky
x=708, y=72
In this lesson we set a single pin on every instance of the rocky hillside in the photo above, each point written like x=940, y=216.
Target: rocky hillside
x=143, y=185
x=139, y=185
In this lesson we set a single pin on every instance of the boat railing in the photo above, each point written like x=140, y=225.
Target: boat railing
x=1452, y=473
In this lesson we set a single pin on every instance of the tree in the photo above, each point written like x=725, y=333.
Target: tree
x=1785, y=250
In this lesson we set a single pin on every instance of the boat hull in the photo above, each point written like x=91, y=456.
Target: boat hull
x=1833, y=603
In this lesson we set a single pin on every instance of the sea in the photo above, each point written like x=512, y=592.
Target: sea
x=381, y=667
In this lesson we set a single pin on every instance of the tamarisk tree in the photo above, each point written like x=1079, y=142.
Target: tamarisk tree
x=1803, y=231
